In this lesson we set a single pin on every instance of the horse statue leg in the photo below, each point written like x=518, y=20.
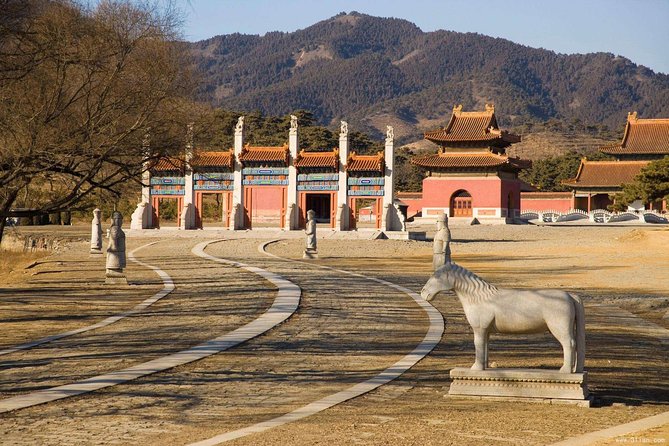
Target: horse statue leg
x=481, y=348
x=562, y=327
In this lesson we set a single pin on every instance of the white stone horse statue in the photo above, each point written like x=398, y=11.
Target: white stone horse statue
x=497, y=310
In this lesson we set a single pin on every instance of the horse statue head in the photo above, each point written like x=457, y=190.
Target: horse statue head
x=440, y=281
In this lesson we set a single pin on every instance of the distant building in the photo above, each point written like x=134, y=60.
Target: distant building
x=471, y=176
x=273, y=186
x=644, y=140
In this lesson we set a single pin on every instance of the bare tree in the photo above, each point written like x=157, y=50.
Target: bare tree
x=78, y=90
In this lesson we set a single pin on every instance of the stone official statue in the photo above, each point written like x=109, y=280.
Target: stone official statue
x=442, y=243
x=96, y=233
x=116, y=261
x=310, y=230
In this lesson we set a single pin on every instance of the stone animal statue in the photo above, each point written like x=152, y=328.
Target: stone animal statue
x=498, y=310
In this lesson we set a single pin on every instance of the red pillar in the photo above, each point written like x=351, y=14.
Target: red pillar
x=589, y=202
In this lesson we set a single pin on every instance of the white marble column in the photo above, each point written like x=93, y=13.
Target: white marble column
x=188, y=211
x=389, y=213
x=142, y=217
x=343, y=223
x=292, y=218
x=237, y=219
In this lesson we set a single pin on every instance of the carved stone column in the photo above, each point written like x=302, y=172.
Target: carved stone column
x=292, y=218
x=390, y=221
x=343, y=223
x=237, y=218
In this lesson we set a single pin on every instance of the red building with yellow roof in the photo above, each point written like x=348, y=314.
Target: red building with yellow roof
x=471, y=176
x=644, y=140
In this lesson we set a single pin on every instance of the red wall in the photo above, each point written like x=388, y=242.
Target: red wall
x=267, y=200
x=437, y=191
x=544, y=201
x=412, y=199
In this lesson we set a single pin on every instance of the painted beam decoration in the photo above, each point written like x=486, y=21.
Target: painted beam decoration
x=213, y=181
x=258, y=176
x=318, y=182
x=167, y=185
x=366, y=186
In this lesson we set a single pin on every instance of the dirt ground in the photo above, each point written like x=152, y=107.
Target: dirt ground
x=346, y=330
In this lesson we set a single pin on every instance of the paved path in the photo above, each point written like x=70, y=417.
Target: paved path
x=168, y=287
x=618, y=431
x=284, y=306
x=431, y=339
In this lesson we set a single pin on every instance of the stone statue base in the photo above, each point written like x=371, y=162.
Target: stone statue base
x=115, y=277
x=310, y=254
x=95, y=252
x=533, y=384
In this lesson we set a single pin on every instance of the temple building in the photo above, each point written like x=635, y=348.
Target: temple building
x=595, y=183
x=273, y=186
x=471, y=176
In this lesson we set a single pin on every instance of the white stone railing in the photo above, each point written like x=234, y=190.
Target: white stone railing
x=595, y=216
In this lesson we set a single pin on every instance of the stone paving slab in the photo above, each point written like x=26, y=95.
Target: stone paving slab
x=285, y=304
x=168, y=287
x=618, y=431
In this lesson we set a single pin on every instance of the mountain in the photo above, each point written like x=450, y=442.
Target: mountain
x=375, y=71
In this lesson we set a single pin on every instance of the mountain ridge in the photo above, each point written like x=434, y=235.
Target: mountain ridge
x=375, y=71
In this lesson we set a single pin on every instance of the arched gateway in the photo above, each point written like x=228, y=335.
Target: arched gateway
x=249, y=187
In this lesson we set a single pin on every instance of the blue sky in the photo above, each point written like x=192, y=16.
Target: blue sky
x=636, y=29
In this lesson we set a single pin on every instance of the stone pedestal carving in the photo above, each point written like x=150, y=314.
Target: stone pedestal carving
x=311, y=251
x=188, y=217
x=141, y=217
x=96, y=234
x=116, y=260
x=522, y=383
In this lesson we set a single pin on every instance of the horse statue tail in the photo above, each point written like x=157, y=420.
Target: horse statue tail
x=580, y=333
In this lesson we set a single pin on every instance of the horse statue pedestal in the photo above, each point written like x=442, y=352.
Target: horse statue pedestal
x=531, y=384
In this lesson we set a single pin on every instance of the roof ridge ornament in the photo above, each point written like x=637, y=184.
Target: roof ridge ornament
x=490, y=107
x=632, y=116
x=457, y=108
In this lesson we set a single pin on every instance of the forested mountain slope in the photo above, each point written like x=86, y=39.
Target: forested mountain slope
x=376, y=71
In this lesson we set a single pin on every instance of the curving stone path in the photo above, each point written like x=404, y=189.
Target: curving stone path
x=429, y=342
x=168, y=287
x=285, y=304
x=619, y=431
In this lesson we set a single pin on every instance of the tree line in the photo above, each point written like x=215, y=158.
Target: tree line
x=82, y=89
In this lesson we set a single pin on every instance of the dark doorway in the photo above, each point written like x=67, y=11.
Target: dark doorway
x=321, y=204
